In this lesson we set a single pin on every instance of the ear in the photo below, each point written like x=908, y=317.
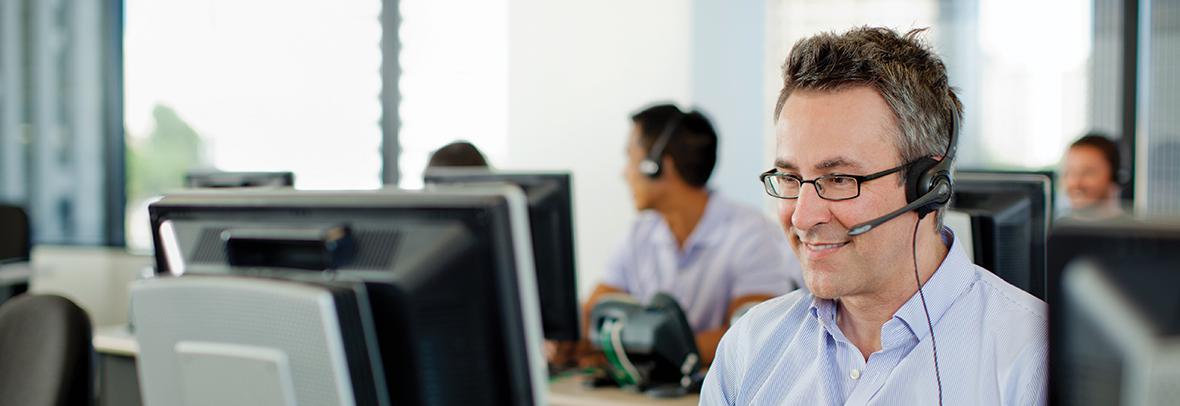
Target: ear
x=1116, y=191
x=668, y=169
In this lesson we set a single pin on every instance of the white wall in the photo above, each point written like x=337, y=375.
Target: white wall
x=576, y=71
x=729, y=82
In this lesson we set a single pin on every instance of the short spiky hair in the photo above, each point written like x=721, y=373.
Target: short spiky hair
x=692, y=144
x=901, y=68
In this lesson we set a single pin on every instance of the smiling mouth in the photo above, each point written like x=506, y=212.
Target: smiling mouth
x=825, y=247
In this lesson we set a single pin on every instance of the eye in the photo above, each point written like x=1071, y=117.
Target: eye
x=841, y=181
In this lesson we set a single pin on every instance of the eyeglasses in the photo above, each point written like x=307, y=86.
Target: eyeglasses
x=829, y=187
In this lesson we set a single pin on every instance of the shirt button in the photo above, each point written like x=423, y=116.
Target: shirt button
x=855, y=374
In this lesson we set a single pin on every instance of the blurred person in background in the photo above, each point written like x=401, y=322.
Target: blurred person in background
x=1091, y=171
x=457, y=154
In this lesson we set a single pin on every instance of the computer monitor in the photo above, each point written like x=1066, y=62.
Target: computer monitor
x=1114, y=314
x=1044, y=174
x=214, y=340
x=219, y=179
x=1010, y=217
x=550, y=199
x=449, y=272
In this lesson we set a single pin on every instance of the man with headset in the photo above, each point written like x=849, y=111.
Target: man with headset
x=896, y=314
x=713, y=255
x=1091, y=171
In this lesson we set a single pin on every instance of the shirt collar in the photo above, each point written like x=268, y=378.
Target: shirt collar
x=717, y=213
x=953, y=277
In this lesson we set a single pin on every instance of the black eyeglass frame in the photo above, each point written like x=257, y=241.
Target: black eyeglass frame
x=765, y=178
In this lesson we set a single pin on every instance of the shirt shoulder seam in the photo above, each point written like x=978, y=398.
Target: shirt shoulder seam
x=1002, y=293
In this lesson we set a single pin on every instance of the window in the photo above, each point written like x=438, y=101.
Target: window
x=1022, y=76
x=264, y=85
x=454, y=80
x=57, y=126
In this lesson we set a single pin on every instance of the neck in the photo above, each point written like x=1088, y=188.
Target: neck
x=683, y=212
x=861, y=316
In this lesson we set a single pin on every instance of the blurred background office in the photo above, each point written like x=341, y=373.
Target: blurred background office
x=106, y=104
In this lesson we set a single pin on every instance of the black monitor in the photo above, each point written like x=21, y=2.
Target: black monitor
x=550, y=199
x=1043, y=174
x=1114, y=314
x=1010, y=215
x=219, y=179
x=449, y=275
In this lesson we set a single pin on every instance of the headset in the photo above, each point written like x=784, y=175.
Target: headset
x=929, y=185
x=650, y=165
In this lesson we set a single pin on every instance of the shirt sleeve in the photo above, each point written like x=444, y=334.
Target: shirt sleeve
x=1028, y=383
x=767, y=266
x=720, y=386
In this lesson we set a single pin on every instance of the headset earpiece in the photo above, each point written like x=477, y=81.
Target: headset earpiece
x=917, y=177
x=923, y=177
x=651, y=165
x=650, y=168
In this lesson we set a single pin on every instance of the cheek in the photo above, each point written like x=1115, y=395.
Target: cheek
x=786, y=208
x=632, y=176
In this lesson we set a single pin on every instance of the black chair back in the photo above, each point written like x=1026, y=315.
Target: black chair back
x=46, y=355
x=14, y=233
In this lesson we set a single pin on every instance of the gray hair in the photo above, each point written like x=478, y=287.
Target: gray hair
x=901, y=68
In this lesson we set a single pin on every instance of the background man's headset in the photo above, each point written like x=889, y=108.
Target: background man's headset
x=651, y=165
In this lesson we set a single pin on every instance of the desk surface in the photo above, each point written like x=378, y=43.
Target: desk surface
x=97, y=279
x=568, y=391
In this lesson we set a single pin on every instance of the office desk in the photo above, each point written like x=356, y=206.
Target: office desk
x=117, y=348
x=570, y=392
x=99, y=279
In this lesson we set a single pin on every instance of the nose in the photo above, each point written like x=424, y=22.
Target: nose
x=810, y=209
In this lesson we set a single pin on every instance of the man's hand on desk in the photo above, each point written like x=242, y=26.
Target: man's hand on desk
x=568, y=354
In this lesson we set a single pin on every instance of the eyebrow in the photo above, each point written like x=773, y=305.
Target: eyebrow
x=782, y=163
x=825, y=165
x=837, y=162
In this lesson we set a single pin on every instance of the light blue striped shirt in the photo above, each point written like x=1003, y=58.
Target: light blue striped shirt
x=733, y=251
x=991, y=336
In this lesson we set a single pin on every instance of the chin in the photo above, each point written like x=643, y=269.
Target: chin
x=824, y=291
x=822, y=286
x=1083, y=200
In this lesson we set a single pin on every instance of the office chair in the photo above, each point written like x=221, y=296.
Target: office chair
x=14, y=227
x=46, y=356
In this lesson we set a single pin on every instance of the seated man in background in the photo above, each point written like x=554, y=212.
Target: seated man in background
x=896, y=313
x=713, y=255
x=457, y=154
x=1091, y=173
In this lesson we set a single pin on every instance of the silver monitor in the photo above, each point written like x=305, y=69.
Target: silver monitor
x=224, y=340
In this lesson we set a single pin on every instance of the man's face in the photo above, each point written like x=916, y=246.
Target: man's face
x=845, y=132
x=643, y=189
x=1088, y=178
